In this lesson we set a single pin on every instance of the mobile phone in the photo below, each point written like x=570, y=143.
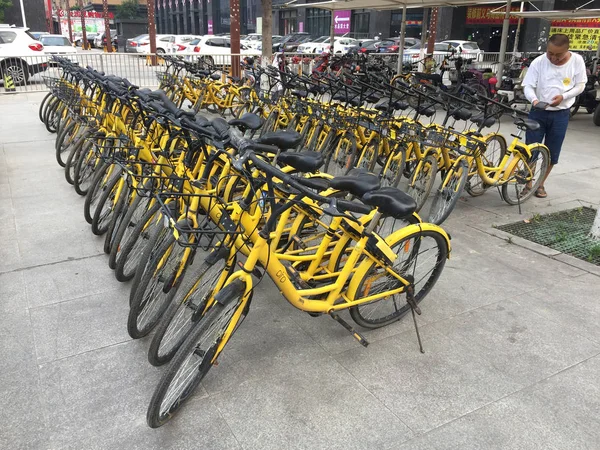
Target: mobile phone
x=541, y=105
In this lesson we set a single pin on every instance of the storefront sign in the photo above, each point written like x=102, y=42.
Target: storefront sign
x=341, y=21
x=585, y=39
x=577, y=23
x=92, y=25
x=86, y=14
x=210, y=26
x=477, y=15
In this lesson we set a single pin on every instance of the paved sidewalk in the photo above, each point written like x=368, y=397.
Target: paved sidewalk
x=512, y=337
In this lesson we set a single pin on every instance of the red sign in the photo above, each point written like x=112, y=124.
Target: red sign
x=478, y=15
x=577, y=23
x=90, y=14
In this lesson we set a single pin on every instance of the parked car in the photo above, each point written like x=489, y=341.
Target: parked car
x=254, y=40
x=291, y=42
x=37, y=34
x=57, y=44
x=165, y=43
x=20, y=54
x=365, y=47
x=413, y=54
x=90, y=36
x=314, y=46
x=466, y=49
x=392, y=45
x=100, y=40
x=132, y=44
x=340, y=45
x=188, y=48
x=217, y=50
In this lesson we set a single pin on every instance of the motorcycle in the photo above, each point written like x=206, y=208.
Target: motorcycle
x=511, y=88
x=590, y=97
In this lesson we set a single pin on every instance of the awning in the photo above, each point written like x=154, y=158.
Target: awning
x=335, y=5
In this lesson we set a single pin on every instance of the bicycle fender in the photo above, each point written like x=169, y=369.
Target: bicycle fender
x=229, y=292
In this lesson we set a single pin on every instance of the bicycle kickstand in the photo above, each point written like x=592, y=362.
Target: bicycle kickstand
x=410, y=299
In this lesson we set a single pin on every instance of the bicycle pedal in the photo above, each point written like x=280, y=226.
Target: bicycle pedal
x=348, y=327
x=296, y=278
x=299, y=242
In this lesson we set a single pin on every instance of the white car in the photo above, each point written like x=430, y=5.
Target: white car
x=165, y=43
x=340, y=45
x=20, y=54
x=187, y=49
x=466, y=49
x=316, y=46
x=57, y=44
x=413, y=54
x=217, y=50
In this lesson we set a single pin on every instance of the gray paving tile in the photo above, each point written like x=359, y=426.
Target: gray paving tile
x=99, y=399
x=23, y=425
x=558, y=413
x=80, y=325
x=67, y=280
x=516, y=341
x=10, y=254
x=17, y=350
x=427, y=390
x=316, y=404
x=13, y=296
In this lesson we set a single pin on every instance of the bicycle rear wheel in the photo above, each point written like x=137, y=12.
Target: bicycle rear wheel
x=495, y=149
x=194, y=359
x=341, y=156
x=527, y=176
x=422, y=255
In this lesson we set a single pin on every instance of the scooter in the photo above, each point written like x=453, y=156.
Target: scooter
x=590, y=97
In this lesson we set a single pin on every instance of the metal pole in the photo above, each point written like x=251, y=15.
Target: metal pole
x=234, y=31
x=109, y=48
x=516, y=45
x=424, y=27
x=596, y=66
x=401, y=46
x=84, y=42
x=69, y=21
x=504, y=38
x=332, y=34
x=23, y=14
x=432, y=30
x=152, y=32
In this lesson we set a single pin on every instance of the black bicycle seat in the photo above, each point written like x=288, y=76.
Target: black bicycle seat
x=436, y=78
x=299, y=93
x=248, y=121
x=306, y=162
x=285, y=139
x=358, y=182
x=426, y=111
x=400, y=105
x=527, y=124
x=461, y=114
x=215, y=76
x=383, y=105
x=391, y=202
x=481, y=120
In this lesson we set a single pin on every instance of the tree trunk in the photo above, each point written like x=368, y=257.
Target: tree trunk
x=595, y=231
x=267, y=32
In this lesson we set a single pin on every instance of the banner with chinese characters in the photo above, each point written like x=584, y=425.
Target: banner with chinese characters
x=481, y=15
x=583, y=39
x=577, y=23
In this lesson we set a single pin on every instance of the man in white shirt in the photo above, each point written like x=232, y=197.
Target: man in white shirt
x=553, y=79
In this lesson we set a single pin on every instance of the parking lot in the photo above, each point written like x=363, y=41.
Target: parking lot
x=511, y=335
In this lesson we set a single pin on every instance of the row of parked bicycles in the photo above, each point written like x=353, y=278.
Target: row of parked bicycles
x=195, y=212
x=387, y=126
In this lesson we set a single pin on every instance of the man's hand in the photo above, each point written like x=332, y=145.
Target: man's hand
x=535, y=102
x=556, y=100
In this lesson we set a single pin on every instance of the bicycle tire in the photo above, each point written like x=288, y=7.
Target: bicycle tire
x=150, y=300
x=133, y=249
x=490, y=158
x=49, y=117
x=85, y=168
x=132, y=216
x=115, y=222
x=105, y=207
x=507, y=187
x=63, y=143
x=368, y=155
x=445, y=198
x=422, y=180
x=43, y=105
x=94, y=192
x=341, y=157
x=360, y=313
x=186, y=308
x=393, y=170
x=210, y=331
x=269, y=124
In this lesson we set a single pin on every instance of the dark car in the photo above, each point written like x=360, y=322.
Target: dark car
x=392, y=45
x=365, y=47
x=291, y=42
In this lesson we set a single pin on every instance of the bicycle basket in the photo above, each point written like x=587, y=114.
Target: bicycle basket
x=213, y=222
x=434, y=138
x=149, y=178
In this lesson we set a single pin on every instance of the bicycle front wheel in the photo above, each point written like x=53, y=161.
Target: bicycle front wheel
x=421, y=255
x=422, y=180
x=449, y=192
x=193, y=360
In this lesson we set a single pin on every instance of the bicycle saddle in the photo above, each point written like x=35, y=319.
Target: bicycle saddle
x=481, y=120
x=527, y=124
x=436, y=78
x=426, y=111
x=358, y=182
x=215, y=76
x=461, y=114
x=285, y=139
x=299, y=93
x=248, y=121
x=391, y=202
x=306, y=161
